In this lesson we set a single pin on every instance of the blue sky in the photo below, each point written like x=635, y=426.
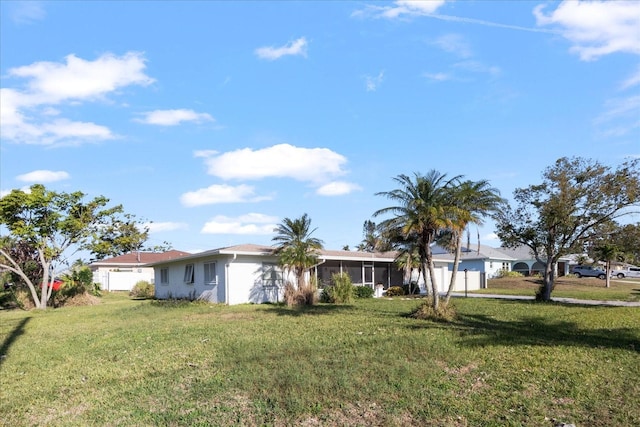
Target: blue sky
x=216, y=120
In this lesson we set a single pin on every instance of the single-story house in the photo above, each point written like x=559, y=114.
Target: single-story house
x=250, y=273
x=122, y=272
x=526, y=264
x=490, y=261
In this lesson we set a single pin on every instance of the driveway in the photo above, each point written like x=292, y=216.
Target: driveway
x=562, y=300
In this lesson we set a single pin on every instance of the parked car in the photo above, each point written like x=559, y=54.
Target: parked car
x=588, y=271
x=626, y=272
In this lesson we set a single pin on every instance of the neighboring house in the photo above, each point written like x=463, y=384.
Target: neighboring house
x=484, y=259
x=251, y=274
x=490, y=261
x=121, y=273
x=526, y=264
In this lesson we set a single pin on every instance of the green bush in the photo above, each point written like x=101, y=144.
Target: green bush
x=394, y=291
x=506, y=273
x=342, y=288
x=363, y=292
x=143, y=289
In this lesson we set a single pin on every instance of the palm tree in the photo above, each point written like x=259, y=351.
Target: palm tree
x=607, y=253
x=296, y=248
x=474, y=201
x=423, y=208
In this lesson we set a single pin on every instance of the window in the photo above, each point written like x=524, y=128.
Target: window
x=271, y=275
x=164, y=276
x=505, y=266
x=210, y=277
x=188, y=273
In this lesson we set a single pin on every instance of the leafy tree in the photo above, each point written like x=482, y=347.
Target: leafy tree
x=607, y=253
x=423, y=209
x=119, y=235
x=627, y=239
x=54, y=225
x=26, y=256
x=296, y=249
x=558, y=216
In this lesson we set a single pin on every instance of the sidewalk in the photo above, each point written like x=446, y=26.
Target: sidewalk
x=562, y=300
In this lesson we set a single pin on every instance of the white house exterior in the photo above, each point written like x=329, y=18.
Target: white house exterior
x=250, y=274
x=121, y=273
x=490, y=261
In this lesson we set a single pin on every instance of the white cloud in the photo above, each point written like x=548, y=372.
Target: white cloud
x=478, y=67
x=26, y=12
x=173, y=117
x=297, y=47
x=454, y=43
x=595, y=28
x=410, y=7
x=41, y=176
x=438, y=77
x=316, y=165
x=204, y=153
x=252, y=223
x=156, y=227
x=216, y=194
x=632, y=80
x=372, y=82
x=25, y=114
x=337, y=188
x=621, y=116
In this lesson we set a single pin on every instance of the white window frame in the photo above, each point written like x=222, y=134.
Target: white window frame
x=164, y=276
x=207, y=273
x=189, y=275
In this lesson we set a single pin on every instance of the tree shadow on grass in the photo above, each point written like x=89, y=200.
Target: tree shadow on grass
x=307, y=310
x=485, y=330
x=10, y=339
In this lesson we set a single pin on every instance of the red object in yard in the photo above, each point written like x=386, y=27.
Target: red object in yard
x=57, y=283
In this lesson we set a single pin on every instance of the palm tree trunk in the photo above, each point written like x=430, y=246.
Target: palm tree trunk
x=456, y=262
x=434, y=284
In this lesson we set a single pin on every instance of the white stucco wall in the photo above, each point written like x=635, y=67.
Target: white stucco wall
x=177, y=288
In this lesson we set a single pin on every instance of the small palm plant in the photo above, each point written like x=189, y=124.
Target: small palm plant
x=298, y=252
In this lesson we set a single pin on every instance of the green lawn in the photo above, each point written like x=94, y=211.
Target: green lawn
x=569, y=287
x=143, y=363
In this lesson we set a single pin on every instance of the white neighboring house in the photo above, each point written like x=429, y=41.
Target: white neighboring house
x=122, y=272
x=250, y=274
x=490, y=261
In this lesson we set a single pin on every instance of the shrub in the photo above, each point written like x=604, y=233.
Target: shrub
x=306, y=295
x=340, y=291
x=506, y=273
x=445, y=313
x=394, y=291
x=342, y=288
x=363, y=292
x=143, y=289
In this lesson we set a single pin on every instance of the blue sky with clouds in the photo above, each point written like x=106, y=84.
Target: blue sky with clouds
x=215, y=120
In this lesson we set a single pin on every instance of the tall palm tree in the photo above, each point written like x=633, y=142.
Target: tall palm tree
x=423, y=208
x=474, y=201
x=296, y=248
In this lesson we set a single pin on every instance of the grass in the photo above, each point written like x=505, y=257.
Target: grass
x=568, y=287
x=145, y=363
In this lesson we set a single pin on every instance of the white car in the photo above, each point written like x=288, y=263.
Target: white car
x=626, y=272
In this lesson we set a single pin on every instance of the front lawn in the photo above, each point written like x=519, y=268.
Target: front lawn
x=145, y=363
x=568, y=287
